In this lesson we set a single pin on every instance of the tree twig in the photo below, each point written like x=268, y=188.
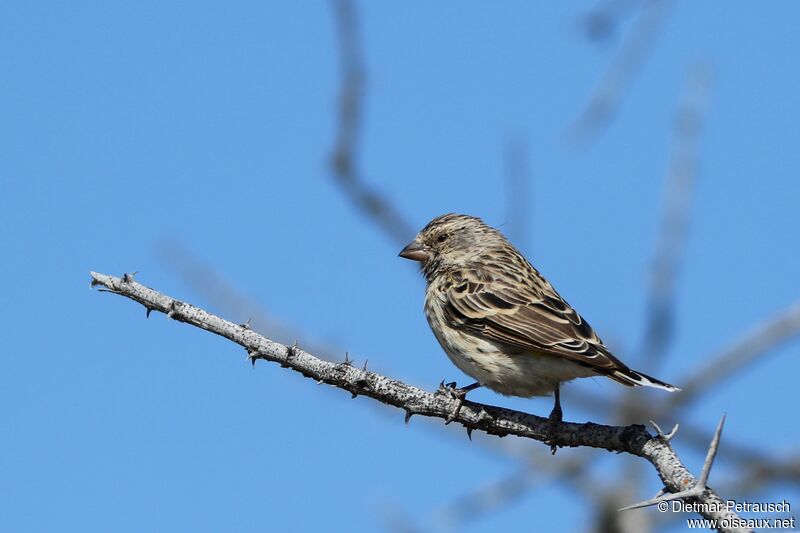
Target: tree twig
x=493, y=420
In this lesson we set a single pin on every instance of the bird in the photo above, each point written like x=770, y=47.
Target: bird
x=501, y=322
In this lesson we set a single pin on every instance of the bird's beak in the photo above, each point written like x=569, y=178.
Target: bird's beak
x=414, y=251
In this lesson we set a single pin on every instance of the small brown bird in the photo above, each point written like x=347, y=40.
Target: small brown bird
x=500, y=321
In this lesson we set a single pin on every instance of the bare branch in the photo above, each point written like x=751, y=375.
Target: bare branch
x=345, y=152
x=606, y=96
x=493, y=420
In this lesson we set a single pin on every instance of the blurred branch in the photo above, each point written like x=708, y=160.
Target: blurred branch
x=605, y=98
x=517, y=177
x=489, y=498
x=753, y=345
x=755, y=470
x=694, y=435
x=219, y=293
x=603, y=19
x=343, y=163
x=759, y=477
x=671, y=241
x=498, y=421
x=227, y=298
x=747, y=459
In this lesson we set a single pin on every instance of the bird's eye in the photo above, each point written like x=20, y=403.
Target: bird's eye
x=442, y=237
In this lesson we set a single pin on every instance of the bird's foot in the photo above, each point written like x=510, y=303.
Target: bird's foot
x=457, y=394
x=555, y=418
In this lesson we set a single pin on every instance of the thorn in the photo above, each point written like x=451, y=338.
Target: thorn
x=660, y=434
x=290, y=353
x=700, y=485
x=320, y=381
x=347, y=361
x=409, y=414
x=353, y=395
x=364, y=368
x=149, y=310
x=672, y=432
x=362, y=380
x=173, y=309
x=712, y=453
x=252, y=355
x=94, y=283
x=291, y=350
x=665, y=498
x=246, y=325
x=469, y=433
x=127, y=278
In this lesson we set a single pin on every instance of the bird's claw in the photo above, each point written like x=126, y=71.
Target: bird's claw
x=451, y=389
x=555, y=419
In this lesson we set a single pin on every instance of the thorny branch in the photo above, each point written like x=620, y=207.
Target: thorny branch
x=493, y=420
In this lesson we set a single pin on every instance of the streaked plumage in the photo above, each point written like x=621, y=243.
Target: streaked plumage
x=499, y=320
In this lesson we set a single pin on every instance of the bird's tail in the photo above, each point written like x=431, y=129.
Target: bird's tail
x=632, y=378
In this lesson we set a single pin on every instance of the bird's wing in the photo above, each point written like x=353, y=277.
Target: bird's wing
x=525, y=313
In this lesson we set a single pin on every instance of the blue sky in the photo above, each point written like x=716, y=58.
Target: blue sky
x=129, y=128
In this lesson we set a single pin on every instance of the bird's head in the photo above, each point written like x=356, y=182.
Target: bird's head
x=451, y=241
